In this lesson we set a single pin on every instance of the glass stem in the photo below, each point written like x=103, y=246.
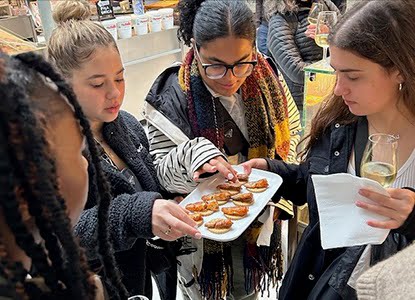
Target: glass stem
x=324, y=53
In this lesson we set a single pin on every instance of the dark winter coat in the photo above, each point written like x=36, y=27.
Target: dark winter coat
x=130, y=211
x=323, y=274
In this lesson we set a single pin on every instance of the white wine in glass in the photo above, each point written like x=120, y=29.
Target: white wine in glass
x=325, y=22
x=379, y=161
x=315, y=9
x=321, y=40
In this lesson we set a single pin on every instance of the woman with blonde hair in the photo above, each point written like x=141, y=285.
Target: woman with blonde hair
x=88, y=57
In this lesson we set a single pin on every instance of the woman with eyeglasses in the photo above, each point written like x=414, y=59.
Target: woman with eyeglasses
x=221, y=106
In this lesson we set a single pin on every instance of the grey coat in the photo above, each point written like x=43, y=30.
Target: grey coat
x=130, y=211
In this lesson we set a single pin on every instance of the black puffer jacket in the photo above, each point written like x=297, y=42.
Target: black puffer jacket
x=315, y=273
x=292, y=50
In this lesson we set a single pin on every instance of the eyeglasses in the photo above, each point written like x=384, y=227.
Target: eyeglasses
x=218, y=71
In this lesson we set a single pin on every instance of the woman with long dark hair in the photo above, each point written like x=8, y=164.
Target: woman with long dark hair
x=372, y=49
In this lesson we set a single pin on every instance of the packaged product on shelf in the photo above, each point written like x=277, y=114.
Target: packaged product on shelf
x=167, y=20
x=124, y=27
x=111, y=27
x=141, y=24
x=138, y=7
x=154, y=20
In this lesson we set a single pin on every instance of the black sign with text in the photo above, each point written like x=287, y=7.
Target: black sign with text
x=105, y=10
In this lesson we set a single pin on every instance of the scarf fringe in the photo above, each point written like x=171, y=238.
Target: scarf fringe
x=216, y=276
x=263, y=265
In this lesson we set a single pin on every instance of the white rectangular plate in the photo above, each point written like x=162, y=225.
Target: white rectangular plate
x=239, y=226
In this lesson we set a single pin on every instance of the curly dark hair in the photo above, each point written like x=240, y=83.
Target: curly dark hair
x=28, y=174
x=207, y=20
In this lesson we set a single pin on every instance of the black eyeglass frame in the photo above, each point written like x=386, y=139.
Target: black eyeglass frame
x=228, y=67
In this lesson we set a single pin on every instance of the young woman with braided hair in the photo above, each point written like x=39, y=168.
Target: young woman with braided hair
x=222, y=105
x=44, y=185
x=87, y=56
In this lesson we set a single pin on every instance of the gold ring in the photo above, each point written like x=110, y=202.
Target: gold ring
x=167, y=232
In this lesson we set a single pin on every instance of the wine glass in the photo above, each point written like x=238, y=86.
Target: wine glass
x=379, y=161
x=315, y=9
x=325, y=22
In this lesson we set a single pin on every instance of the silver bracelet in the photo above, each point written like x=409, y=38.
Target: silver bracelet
x=153, y=246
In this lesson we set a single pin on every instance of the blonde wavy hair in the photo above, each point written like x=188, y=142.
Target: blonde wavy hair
x=76, y=37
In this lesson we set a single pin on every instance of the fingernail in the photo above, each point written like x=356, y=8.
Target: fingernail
x=363, y=192
x=198, y=236
x=230, y=176
x=195, y=178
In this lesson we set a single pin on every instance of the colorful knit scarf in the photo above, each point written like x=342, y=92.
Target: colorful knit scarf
x=266, y=110
x=266, y=115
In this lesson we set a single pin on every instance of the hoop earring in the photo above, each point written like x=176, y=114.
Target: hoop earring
x=400, y=86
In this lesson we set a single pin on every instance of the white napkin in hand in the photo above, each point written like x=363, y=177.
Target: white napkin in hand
x=342, y=223
x=267, y=218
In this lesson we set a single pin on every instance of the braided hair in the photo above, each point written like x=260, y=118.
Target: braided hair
x=29, y=175
x=207, y=20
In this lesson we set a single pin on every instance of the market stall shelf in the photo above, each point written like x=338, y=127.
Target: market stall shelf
x=12, y=45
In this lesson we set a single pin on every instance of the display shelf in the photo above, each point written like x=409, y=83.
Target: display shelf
x=12, y=45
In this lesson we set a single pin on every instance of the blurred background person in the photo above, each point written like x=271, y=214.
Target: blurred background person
x=290, y=47
x=262, y=27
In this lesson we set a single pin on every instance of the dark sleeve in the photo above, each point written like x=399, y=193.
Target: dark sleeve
x=129, y=219
x=7, y=290
x=284, y=50
x=336, y=5
x=258, y=12
x=294, y=186
x=408, y=228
